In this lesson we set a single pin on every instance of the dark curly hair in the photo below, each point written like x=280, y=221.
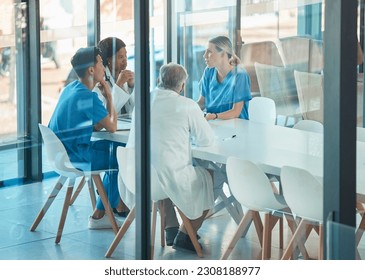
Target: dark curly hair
x=109, y=47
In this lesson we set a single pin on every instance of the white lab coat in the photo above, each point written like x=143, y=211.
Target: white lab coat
x=123, y=97
x=175, y=121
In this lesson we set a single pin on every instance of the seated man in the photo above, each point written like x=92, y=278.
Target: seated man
x=175, y=120
x=79, y=111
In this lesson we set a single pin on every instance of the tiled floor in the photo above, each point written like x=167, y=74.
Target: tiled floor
x=19, y=206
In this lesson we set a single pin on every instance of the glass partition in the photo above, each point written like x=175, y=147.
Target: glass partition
x=63, y=31
x=12, y=133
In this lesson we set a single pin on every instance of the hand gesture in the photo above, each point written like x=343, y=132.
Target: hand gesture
x=105, y=89
x=125, y=76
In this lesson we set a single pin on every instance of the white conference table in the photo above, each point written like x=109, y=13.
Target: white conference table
x=269, y=146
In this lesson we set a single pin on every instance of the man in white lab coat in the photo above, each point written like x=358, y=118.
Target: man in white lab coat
x=176, y=122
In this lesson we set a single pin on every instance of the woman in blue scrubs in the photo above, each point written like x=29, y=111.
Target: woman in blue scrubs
x=224, y=86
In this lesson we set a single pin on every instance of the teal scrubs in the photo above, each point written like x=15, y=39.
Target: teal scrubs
x=77, y=111
x=220, y=97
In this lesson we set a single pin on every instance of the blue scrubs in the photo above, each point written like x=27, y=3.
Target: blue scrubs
x=220, y=97
x=77, y=111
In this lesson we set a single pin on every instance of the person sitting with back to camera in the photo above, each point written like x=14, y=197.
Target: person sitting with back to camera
x=225, y=86
x=175, y=120
x=78, y=113
x=120, y=80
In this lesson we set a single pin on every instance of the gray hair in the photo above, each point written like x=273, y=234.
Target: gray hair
x=223, y=43
x=172, y=76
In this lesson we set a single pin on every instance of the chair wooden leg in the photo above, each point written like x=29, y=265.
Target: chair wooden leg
x=293, y=227
x=92, y=192
x=78, y=190
x=360, y=230
x=192, y=233
x=153, y=227
x=56, y=189
x=294, y=240
x=66, y=204
x=123, y=229
x=281, y=232
x=105, y=201
x=270, y=223
x=266, y=240
x=245, y=222
x=162, y=219
x=258, y=225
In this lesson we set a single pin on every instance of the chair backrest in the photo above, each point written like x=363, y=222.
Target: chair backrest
x=278, y=84
x=127, y=168
x=302, y=192
x=265, y=52
x=127, y=171
x=250, y=185
x=315, y=56
x=310, y=95
x=301, y=53
x=57, y=154
x=309, y=125
x=262, y=109
x=295, y=51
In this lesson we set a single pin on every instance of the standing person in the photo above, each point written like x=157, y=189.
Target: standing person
x=120, y=80
x=224, y=86
x=78, y=113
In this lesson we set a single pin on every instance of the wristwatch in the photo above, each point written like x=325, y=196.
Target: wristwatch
x=216, y=116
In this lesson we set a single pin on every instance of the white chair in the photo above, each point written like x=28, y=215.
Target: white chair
x=251, y=187
x=304, y=195
x=262, y=109
x=126, y=162
x=310, y=95
x=309, y=125
x=60, y=162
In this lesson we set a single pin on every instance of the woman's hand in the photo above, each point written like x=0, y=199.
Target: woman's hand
x=125, y=76
x=211, y=116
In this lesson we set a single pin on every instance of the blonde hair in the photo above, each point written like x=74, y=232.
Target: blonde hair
x=223, y=43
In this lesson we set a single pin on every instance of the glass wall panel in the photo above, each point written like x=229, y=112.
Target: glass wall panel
x=12, y=134
x=63, y=32
x=117, y=20
x=195, y=26
x=280, y=46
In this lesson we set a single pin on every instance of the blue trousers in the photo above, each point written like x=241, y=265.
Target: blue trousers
x=104, y=157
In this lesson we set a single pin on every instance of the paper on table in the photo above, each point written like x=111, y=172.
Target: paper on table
x=123, y=125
